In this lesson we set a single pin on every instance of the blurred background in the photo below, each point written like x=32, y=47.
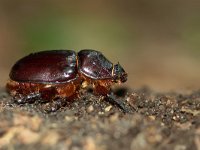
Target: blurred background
x=157, y=42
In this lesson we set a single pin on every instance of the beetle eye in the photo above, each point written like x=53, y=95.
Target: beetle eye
x=118, y=69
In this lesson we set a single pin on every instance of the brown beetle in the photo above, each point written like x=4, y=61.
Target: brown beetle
x=59, y=74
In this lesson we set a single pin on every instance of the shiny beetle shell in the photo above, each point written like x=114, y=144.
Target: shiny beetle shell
x=56, y=66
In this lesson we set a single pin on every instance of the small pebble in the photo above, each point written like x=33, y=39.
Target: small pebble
x=108, y=108
x=90, y=109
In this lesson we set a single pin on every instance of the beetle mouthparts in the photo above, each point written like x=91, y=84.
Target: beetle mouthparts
x=123, y=77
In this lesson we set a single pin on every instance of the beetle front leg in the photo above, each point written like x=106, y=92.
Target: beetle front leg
x=111, y=98
x=104, y=88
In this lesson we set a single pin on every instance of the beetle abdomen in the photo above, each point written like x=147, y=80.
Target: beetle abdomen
x=54, y=66
x=94, y=64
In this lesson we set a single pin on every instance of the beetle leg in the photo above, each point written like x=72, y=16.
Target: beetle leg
x=111, y=98
x=63, y=94
x=30, y=98
x=102, y=87
x=22, y=92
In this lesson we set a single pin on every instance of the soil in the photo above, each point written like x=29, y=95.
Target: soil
x=153, y=121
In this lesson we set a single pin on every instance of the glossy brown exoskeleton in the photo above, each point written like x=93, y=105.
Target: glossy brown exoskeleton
x=59, y=74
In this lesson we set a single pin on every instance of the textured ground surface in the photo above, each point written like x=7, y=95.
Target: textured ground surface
x=156, y=121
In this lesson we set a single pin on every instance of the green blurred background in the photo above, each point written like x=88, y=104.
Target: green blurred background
x=157, y=42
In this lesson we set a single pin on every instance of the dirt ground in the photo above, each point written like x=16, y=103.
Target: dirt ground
x=153, y=121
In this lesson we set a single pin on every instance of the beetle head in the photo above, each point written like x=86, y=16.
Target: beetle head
x=119, y=75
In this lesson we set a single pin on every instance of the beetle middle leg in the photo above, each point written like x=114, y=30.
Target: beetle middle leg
x=64, y=93
x=58, y=96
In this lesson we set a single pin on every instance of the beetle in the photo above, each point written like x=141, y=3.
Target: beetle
x=60, y=74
